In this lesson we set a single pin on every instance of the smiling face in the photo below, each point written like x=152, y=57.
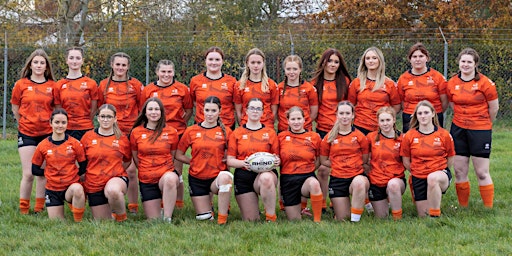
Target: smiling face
x=153, y=112
x=59, y=124
x=418, y=60
x=214, y=62
x=165, y=74
x=211, y=113
x=467, y=65
x=371, y=61
x=74, y=60
x=332, y=65
x=386, y=122
x=292, y=71
x=38, y=65
x=120, y=66
x=345, y=115
x=106, y=118
x=296, y=121
x=255, y=64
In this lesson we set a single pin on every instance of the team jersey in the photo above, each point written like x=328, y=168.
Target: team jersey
x=201, y=87
x=327, y=108
x=367, y=103
x=176, y=98
x=428, y=152
x=303, y=96
x=105, y=156
x=346, y=153
x=253, y=90
x=75, y=96
x=36, y=102
x=470, y=102
x=298, y=151
x=208, y=150
x=415, y=88
x=156, y=158
x=125, y=97
x=385, y=159
x=244, y=142
x=61, y=161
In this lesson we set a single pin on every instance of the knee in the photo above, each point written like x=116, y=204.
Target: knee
x=224, y=179
x=113, y=194
x=314, y=186
x=170, y=180
x=394, y=187
x=267, y=181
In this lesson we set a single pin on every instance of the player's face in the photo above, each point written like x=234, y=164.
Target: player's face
x=371, y=60
x=255, y=63
x=418, y=60
x=345, y=115
x=59, y=123
x=165, y=74
x=333, y=63
x=292, y=71
x=386, y=122
x=211, y=112
x=106, y=118
x=424, y=115
x=120, y=65
x=153, y=112
x=467, y=65
x=296, y=121
x=255, y=110
x=74, y=60
x=214, y=62
x=38, y=65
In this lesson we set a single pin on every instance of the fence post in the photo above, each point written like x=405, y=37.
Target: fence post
x=4, y=121
x=445, y=54
x=147, y=58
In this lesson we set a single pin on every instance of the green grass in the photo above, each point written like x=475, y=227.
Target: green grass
x=471, y=231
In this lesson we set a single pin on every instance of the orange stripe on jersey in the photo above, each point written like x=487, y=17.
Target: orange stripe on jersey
x=244, y=142
x=61, y=169
x=75, y=96
x=105, y=155
x=367, y=103
x=125, y=97
x=415, y=88
x=208, y=150
x=201, y=87
x=470, y=107
x=35, y=101
x=253, y=90
x=385, y=159
x=346, y=154
x=156, y=158
x=175, y=97
x=298, y=152
x=428, y=153
x=327, y=108
x=303, y=96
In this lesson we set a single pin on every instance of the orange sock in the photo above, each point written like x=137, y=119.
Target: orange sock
x=397, y=214
x=39, y=204
x=24, y=205
x=316, y=205
x=355, y=214
x=281, y=205
x=487, y=194
x=222, y=218
x=70, y=207
x=78, y=213
x=120, y=217
x=463, y=190
x=324, y=203
x=303, y=205
x=271, y=218
x=434, y=212
x=366, y=201
x=133, y=208
x=180, y=204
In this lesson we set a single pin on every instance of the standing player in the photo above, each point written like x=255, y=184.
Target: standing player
x=32, y=105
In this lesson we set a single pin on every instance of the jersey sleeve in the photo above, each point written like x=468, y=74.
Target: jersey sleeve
x=352, y=91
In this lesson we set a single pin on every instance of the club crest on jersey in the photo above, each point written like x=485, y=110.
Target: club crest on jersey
x=115, y=143
x=437, y=141
x=29, y=88
x=110, y=89
x=143, y=136
x=83, y=85
x=64, y=86
x=474, y=87
x=247, y=89
x=287, y=138
x=224, y=86
x=415, y=140
x=49, y=90
x=174, y=92
x=94, y=142
x=155, y=94
x=377, y=143
x=245, y=137
x=410, y=83
x=218, y=135
x=430, y=81
x=204, y=86
x=49, y=152
x=457, y=87
x=198, y=135
x=335, y=141
x=130, y=89
x=165, y=136
x=397, y=145
x=265, y=136
x=69, y=150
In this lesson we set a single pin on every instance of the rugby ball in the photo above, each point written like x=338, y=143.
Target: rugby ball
x=261, y=162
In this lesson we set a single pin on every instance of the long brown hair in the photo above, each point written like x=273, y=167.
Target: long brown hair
x=472, y=52
x=341, y=75
x=112, y=58
x=26, y=71
x=142, y=119
x=336, y=127
x=216, y=101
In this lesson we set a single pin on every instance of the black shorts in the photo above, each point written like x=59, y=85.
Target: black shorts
x=376, y=193
x=244, y=181
x=151, y=191
x=321, y=133
x=340, y=187
x=471, y=142
x=199, y=187
x=419, y=186
x=55, y=198
x=406, y=119
x=25, y=140
x=363, y=130
x=291, y=185
x=99, y=198
x=77, y=134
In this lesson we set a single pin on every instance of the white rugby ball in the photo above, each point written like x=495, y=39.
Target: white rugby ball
x=261, y=161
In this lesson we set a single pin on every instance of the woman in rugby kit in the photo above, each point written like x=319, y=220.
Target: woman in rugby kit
x=421, y=82
x=474, y=100
x=427, y=151
x=124, y=92
x=255, y=83
x=213, y=82
x=247, y=139
x=77, y=94
x=32, y=102
x=345, y=151
x=108, y=155
x=61, y=152
x=153, y=145
x=208, y=172
x=386, y=170
x=299, y=150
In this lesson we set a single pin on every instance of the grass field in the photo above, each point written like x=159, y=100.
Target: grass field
x=471, y=231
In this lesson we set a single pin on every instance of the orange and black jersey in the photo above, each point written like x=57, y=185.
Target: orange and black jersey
x=36, y=102
x=201, y=87
x=253, y=90
x=244, y=142
x=428, y=152
x=327, y=108
x=105, y=156
x=415, y=88
x=385, y=159
x=208, y=150
x=298, y=151
x=61, y=161
x=154, y=158
x=346, y=153
x=303, y=96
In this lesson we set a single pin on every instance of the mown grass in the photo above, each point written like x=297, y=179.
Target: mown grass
x=471, y=231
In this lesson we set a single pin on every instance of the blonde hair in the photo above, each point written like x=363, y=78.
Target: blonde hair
x=247, y=71
x=362, y=70
x=414, y=119
x=298, y=60
x=333, y=133
x=392, y=112
x=115, y=126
